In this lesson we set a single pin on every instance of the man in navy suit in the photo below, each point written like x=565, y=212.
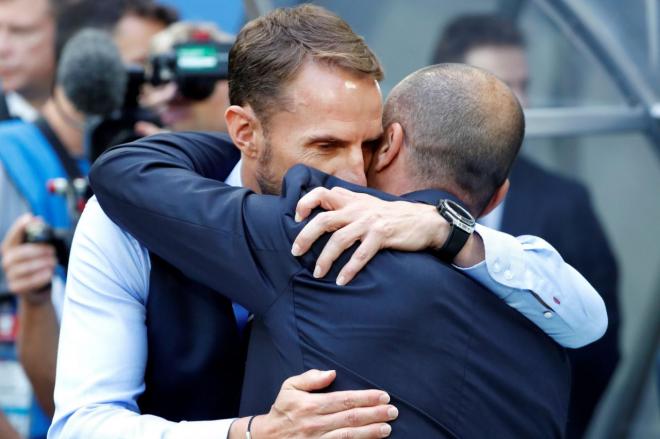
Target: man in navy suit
x=304, y=90
x=496, y=45
x=456, y=360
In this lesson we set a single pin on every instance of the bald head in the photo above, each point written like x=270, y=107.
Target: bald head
x=463, y=128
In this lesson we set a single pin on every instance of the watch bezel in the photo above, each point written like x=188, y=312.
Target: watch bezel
x=457, y=215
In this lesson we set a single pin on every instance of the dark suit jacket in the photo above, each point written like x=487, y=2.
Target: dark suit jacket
x=457, y=361
x=563, y=215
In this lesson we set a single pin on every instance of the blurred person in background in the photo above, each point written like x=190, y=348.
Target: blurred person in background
x=177, y=111
x=142, y=19
x=563, y=213
x=32, y=154
x=27, y=56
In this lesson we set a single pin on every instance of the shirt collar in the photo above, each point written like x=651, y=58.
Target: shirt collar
x=234, y=178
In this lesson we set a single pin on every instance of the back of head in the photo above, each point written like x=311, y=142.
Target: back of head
x=270, y=51
x=463, y=129
x=469, y=32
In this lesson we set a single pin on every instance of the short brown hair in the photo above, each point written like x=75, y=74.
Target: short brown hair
x=150, y=10
x=270, y=50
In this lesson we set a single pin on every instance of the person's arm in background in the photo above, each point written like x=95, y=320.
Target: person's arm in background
x=103, y=352
x=526, y=272
x=6, y=430
x=29, y=269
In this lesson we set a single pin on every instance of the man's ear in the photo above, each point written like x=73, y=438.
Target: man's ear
x=243, y=127
x=390, y=147
x=497, y=198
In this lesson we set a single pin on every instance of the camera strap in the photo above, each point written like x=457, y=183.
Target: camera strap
x=4, y=108
x=69, y=164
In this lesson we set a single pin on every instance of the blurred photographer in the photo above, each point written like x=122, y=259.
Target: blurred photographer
x=142, y=19
x=191, y=100
x=42, y=173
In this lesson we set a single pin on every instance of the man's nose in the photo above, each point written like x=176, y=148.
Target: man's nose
x=353, y=169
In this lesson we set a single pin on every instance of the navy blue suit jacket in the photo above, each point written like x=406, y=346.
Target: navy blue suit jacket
x=563, y=215
x=456, y=360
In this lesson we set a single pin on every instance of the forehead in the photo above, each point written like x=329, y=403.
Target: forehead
x=505, y=62
x=331, y=100
x=23, y=12
x=133, y=35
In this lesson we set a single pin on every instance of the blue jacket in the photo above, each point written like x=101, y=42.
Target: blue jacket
x=30, y=161
x=457, y=361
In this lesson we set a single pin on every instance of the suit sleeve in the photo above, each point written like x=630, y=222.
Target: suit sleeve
x=164, y=190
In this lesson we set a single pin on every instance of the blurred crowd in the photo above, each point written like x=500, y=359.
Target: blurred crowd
x=49, y=136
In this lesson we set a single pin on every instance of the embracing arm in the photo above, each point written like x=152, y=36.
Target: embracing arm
x=103, y=350
x=526, y=272
x=165, y=191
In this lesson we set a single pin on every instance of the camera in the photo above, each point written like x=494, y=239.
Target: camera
x=39, y=232
x=194, y=66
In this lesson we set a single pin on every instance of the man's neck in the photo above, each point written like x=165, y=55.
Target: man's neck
x=248, y=175
x=67, y=127
x=37, y=99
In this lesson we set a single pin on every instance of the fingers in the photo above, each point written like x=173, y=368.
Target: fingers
x=367, y=432
x=16, y=233
x=360, y=417
x=24, y=253
x=310, y=381
x=319, y=225
x=32, y=283
x=29, y=267
x=364, y=253
x=339, y=242
x=328, y=199
x=310, y=201
x=336, y=402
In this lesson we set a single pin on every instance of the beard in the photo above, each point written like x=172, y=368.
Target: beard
x=268, y=182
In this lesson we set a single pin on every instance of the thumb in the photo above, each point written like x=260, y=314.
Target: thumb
x=16, y=233
x=310, y=380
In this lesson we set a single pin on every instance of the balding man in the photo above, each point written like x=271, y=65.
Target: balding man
x=456, y=360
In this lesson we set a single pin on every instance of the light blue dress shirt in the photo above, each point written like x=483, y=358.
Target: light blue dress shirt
x=103, y=339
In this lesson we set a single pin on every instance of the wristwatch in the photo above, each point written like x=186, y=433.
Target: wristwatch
x=461, y=224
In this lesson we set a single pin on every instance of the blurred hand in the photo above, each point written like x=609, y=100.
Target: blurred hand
x=299, y=414
x=377, y=224
x=148, y=129
x=28, y=268
x=155, y=97
x=6, y=430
